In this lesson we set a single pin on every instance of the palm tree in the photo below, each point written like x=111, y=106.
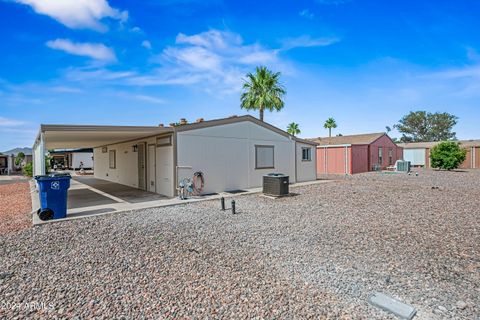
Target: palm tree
x=330, y=124
x=262, y=91
x=293, y=128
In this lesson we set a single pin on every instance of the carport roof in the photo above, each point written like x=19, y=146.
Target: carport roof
x=91, y=136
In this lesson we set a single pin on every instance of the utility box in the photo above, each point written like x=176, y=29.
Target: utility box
x=276, y=184
x=403, y=166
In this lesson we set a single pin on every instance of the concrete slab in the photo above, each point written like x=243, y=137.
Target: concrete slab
x=392, y=305
x=125, y=193
x=81, y=198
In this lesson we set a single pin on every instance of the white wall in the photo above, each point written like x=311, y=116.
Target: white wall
x=39, y=159
x=85, y=157
x=126, y=171
x=306, y=170
x=415, y=156
x=226, y=155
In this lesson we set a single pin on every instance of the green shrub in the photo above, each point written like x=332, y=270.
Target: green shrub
x=447, y=155
x=28, y=169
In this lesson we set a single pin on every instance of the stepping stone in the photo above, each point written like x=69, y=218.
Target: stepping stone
x=392, y=305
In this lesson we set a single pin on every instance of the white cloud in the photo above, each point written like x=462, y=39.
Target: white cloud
x=307, y=14
x=149, y=99
x=96, y=51
x=147, y=44
x=77, y=14
x=306, y=41
x=216, y=59
x=6, y=122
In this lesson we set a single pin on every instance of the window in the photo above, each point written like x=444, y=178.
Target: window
x=264, y=157
x=112, y=159
x=306, y=154
x=380, y=155
x=390, y=156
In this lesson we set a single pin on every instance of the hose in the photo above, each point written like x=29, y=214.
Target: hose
x=198, y=182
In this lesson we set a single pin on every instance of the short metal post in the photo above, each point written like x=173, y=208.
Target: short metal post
x=222, y=201
x=233, y=206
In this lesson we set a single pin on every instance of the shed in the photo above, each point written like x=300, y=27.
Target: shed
x=233, y=153
x=356, y=153
x=418, y=153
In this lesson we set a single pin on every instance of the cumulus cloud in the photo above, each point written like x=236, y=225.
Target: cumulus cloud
x=77, y=14
x=147, y=44
x=96, y=51
x=217, y=59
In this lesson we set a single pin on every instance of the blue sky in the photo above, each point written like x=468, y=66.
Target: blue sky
x=365, y=63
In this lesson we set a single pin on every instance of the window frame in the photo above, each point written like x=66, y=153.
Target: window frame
x=309, y=149
x=257, y=146
x=114, y=153
x=390, y=156
x=380, y=155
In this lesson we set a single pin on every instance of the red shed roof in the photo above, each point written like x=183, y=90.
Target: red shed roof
x=366, y=138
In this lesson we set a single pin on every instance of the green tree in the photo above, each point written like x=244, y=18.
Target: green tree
x=28, y=169
x=19, y=158
x=420, y=126
x=330, y=124
x=293, y=128
x=447, y=155
x=262, y=91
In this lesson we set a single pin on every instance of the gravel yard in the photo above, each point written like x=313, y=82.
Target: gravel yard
x=15, y=206
x=315, y=255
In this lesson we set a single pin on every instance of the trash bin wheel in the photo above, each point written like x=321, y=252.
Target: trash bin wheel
x=45, y=214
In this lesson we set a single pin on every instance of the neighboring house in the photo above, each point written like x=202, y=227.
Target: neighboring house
x=356, y=153
x=418, y=153
x=5, y=164
x=72, y=158
x=233, y=153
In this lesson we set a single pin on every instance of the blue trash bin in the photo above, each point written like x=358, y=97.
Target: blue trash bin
x=53, y=192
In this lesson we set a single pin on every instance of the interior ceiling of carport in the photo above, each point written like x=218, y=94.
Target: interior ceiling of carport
x=89, y=137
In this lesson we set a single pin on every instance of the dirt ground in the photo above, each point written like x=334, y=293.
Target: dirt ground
x=15, y=207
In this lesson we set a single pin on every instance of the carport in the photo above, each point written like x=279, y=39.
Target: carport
x=90, y=195
x=85, y=136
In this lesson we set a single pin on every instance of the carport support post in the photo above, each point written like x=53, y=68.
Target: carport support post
x=39, y=156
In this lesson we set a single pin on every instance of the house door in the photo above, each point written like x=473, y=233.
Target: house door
x=151, y=174
x=164, y=159
x=141, y=165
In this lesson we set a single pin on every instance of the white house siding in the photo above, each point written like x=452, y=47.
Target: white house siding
x=38, y=158
x=415, y=156
x=85, y=157
x=226, y=155
x=306, y=170
x=126, y=169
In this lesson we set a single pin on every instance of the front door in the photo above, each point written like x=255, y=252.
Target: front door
x=151, y=174
x=141, y=165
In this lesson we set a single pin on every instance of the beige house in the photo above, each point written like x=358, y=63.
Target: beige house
x=232, y=153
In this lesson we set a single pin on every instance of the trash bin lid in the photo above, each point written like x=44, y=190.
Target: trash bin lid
x=55, y=175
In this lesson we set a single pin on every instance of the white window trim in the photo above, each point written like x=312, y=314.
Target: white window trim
x=309, y=153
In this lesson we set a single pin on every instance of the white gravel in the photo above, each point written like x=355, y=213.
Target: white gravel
x=317, y=254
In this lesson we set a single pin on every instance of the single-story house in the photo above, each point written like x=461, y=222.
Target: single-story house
x=6, y=164
x=418, y=153
x=356, y=153
x=232, y=153
x=73, y=158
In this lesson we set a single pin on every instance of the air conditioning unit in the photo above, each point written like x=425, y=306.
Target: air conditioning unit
x=403, y=166
x=275, y=184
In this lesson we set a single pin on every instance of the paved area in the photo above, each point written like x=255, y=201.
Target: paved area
x=317, y=255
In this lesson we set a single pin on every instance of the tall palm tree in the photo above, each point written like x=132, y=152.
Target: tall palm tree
x=330, y=124
x=293, y=128
x=262, y=91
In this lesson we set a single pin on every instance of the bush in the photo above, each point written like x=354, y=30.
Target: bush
x=447, y=155
x=28, y=169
